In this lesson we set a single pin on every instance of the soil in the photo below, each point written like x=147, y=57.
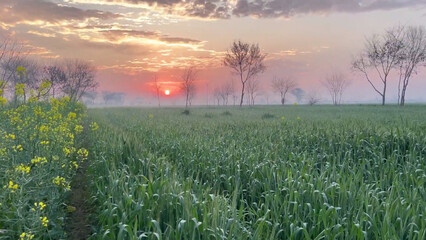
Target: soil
x=78, y=221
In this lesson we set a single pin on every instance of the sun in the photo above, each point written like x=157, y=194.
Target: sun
x=167, y=92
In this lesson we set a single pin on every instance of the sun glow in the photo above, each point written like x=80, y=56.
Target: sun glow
x=167, y=92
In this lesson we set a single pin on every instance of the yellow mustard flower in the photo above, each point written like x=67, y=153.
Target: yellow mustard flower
x=94, y=126
x=3, y=151
x=19, y=89
x=60, y=181
x=44, y=221
x=23, y=168
x=13, y=186
x=2, y=100
x=17, y=148
x=26, y=236
x=43, y=128
x=40, y=205
x=83, y=153
x=72, y=115
x=78, y=128
x=40, y=160
x=10, y=136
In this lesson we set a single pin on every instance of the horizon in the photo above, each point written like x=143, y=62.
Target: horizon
x=131, y=41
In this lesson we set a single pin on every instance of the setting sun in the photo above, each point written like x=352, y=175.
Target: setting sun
x=167, y=92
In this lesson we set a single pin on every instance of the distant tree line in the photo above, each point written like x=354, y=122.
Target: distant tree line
x=401, y=49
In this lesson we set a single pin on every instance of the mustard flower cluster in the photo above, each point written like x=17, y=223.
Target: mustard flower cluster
x=40, y=151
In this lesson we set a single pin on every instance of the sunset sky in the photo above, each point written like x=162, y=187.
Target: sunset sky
x=130, y=41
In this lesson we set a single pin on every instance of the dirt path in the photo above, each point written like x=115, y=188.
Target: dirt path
x=78, y=220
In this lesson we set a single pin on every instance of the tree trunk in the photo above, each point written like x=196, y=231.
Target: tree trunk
x=402, y=102
x=404, y=89
x=242, y=95
x=399, y=92
x=384, y=95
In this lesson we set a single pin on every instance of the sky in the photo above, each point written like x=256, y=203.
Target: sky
x=131, y=41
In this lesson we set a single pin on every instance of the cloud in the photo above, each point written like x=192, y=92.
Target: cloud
x=288, y=8
x=216, y=9
x=118, y=35
x=42, y=34
x=17, y=11
x=265, y=8
x=179, y=40
x=208, y=8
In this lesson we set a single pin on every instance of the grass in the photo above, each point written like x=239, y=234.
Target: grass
x=322, y=172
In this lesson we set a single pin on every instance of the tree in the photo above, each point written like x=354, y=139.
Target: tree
x=252, y=89
x=223, y=92
x=413, y=54
x=90, y=97
x=313, y=98
x=22, y=70
x=56, y=76
x=217, y=95
x=188, y=78
x=298, y=93
x=246, y=61
x=283, y=86
x=11, y=53
x=382, y=54
x=113, y=97
x=336, y=85
x=6, y=45
x=80, y=78
x=157, y=87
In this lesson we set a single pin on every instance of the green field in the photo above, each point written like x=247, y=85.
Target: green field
x=296, y=172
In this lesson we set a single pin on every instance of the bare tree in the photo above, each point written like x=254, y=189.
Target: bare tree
x=336, y=85
x=89, y=97
x=80, y=78
x=5, y=46
x=188, y=78
x=245, y=60
x=22, y=70
x=283, y=86
x=157, y=87
x=113, y=97
x=18, y=68
x=217, y=95
x=299, y=94
x=224, y=92
x=253, y=90
x=381, y=53
x=412, y=55
x=234, y=98
x=313, y=98
x=56, y=76
x=11, y=53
